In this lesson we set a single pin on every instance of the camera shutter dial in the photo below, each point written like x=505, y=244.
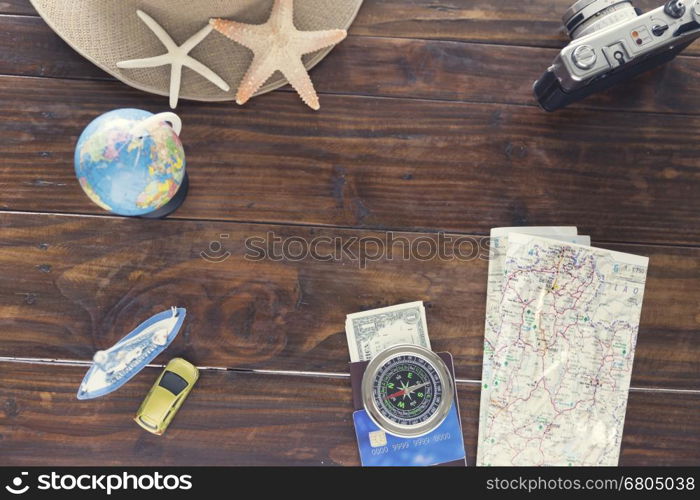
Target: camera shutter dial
x=584, y=56
x=675, y=8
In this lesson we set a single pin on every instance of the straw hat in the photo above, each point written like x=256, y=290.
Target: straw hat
x=109, y=31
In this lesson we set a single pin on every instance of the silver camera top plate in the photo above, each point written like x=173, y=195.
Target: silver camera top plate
x=615, y=44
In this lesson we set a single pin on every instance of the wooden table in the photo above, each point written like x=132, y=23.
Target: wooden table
x=427, y=125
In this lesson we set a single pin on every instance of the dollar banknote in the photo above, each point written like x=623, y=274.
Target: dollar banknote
x=370, y=332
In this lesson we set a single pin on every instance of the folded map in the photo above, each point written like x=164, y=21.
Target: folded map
x=559, y=353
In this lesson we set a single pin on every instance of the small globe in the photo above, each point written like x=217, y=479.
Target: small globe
x=129, y=165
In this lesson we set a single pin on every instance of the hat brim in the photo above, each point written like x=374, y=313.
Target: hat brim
x=108, y=31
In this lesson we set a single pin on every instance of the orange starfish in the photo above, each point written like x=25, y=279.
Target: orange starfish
x=278, y=45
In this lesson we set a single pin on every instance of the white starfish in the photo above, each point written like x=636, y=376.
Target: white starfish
x=177, y=57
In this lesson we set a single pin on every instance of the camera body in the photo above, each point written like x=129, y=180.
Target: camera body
x=613, y=41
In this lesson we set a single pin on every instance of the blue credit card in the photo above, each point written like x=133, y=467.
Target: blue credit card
x=379, y=448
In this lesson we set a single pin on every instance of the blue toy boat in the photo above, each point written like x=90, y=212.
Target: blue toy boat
x=117, y=365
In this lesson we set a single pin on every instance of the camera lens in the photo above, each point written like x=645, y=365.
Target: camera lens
x=588, y=16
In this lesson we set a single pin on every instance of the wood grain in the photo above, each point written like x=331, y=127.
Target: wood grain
x=427, y=124
x=38, y=51
x=253, y=419
x=396, y=67
x=379, y=163
x=73, y=285
x=17, y=7
x=536, y=23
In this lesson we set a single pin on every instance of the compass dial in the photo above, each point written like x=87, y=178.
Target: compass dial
x=407, y=390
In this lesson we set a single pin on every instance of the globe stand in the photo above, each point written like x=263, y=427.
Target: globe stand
x=173, y=204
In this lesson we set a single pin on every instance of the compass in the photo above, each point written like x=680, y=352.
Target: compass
x=407, y=390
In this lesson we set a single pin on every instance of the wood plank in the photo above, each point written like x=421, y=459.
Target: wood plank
x=253, y=419
x=394, y=67
x=38, y=51
x=73, y=285
x=379, y=163
x=18, y=7
x=536, y=23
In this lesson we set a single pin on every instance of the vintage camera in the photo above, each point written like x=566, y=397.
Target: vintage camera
x=613, y=41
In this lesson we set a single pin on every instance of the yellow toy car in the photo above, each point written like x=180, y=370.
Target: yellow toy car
x=167, y=395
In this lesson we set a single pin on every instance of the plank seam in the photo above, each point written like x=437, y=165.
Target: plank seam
x=482, y=42
x=416, y=231
x=581, y=106
x=289, y=373
x=20, y=14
